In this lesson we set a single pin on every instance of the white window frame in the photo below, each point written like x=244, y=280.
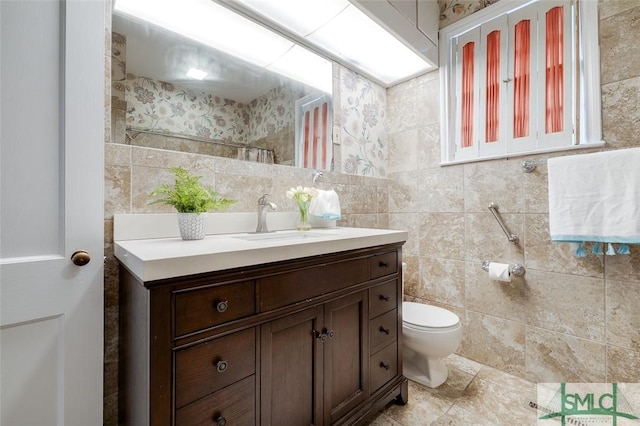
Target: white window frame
x=587, y=115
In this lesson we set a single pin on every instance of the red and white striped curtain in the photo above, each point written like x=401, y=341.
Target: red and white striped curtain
x=316, y=144
x=521, y=79
x=467, y=93
x=554, y=86
x=492, y=124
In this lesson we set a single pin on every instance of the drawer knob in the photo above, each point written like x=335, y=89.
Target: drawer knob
x=385, y=298
x=331, y=333
x=220, y=421
x=383, y=365
x=222, y=306
x=384, y=264
x=384, y=330
x=221, y=366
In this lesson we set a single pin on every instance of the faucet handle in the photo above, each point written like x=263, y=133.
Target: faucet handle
x=262, y=200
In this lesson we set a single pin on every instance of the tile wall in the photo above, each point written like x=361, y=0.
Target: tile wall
x=569, y=319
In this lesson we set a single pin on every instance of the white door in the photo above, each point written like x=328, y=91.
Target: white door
x=51, y=181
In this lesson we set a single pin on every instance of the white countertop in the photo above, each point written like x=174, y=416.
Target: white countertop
x=159, y=258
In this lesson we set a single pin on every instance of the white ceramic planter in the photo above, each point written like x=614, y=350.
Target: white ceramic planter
x=192, y=225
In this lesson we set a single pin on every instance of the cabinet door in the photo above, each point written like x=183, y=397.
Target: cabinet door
x=291, y=379
x=346, y=378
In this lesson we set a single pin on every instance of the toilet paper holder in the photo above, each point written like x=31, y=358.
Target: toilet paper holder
x=514, y=268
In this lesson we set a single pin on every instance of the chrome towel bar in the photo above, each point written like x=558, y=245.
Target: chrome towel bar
x=513, y=238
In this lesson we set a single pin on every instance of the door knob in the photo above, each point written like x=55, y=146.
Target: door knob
x=80, y=258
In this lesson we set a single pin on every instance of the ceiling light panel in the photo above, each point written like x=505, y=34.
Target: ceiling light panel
x=301, y=17
x=209, y=23
x=362, y=42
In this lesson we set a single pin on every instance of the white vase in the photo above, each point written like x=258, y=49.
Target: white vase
x=191, y=225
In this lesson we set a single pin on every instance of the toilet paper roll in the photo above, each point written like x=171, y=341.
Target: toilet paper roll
x=499, y=272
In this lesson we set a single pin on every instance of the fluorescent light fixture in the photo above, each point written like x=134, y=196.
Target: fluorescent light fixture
x=196, y=74
x=341, y=29
x=302, y=17
x=305, y=66
x=214, y=25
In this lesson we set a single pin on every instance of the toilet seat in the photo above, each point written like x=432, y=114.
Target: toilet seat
x=421, y=316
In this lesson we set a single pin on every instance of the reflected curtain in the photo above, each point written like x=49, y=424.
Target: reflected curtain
x=492, y=124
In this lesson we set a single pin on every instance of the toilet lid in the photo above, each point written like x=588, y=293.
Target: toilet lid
x=422, y=315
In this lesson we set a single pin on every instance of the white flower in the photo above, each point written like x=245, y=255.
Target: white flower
x=302, y=194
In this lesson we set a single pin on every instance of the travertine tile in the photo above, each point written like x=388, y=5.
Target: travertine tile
x=619, y=53
x=403, y=151
x=381, y=419
x=459, y=416
x=623, y=365
x=556, y=357
x=149, y=157
x=543, y=254
x=623, y=314
x=568, y=304
x=466, y=365
x=499, y=182
x=383, y=199
x=117, y=190
x=621, y=112
x=442, y=235
x=412, y=275
x=535, y=187
x=496, y=403
x=246, y=189
x=429, y=149
x=623, y=267
x=411, y=223
x=609, y=8
x=403, y=192
x=428, y=99
x=117, y=154
x=441, y=190
x=426, y=405
x=442, y=280
x=501, y=299
x=494, y=341
x=485, y=240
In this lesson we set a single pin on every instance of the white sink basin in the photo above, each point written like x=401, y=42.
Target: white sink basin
x=282, y=235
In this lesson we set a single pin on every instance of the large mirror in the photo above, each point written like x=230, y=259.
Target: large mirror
x=238, y=110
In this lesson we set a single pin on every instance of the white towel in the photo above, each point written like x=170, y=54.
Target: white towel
x=326, y=205
x=595, y=197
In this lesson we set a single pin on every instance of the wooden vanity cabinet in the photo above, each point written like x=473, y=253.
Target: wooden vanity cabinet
x=312, y=341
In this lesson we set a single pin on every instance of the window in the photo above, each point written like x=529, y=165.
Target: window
x=520, y=78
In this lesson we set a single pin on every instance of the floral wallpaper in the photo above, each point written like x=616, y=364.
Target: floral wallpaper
x=361, y=119
x=453, y=10
x=272, y=112
x=161, y=106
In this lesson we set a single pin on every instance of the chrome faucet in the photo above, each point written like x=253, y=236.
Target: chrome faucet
x=263, y=207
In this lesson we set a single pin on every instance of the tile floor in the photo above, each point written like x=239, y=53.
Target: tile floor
x=474, y=394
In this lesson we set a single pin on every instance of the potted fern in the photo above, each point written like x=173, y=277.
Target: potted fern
x=190, y=198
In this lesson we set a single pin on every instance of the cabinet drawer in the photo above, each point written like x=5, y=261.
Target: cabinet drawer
x=383, y=264
x=209, y=366
x=202, y=308
x=383, y=298
x=383, y=330
x=284, y=289
x=233, y=405
x=383, y=366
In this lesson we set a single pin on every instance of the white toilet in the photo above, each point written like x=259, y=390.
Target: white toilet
x=430, y=333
